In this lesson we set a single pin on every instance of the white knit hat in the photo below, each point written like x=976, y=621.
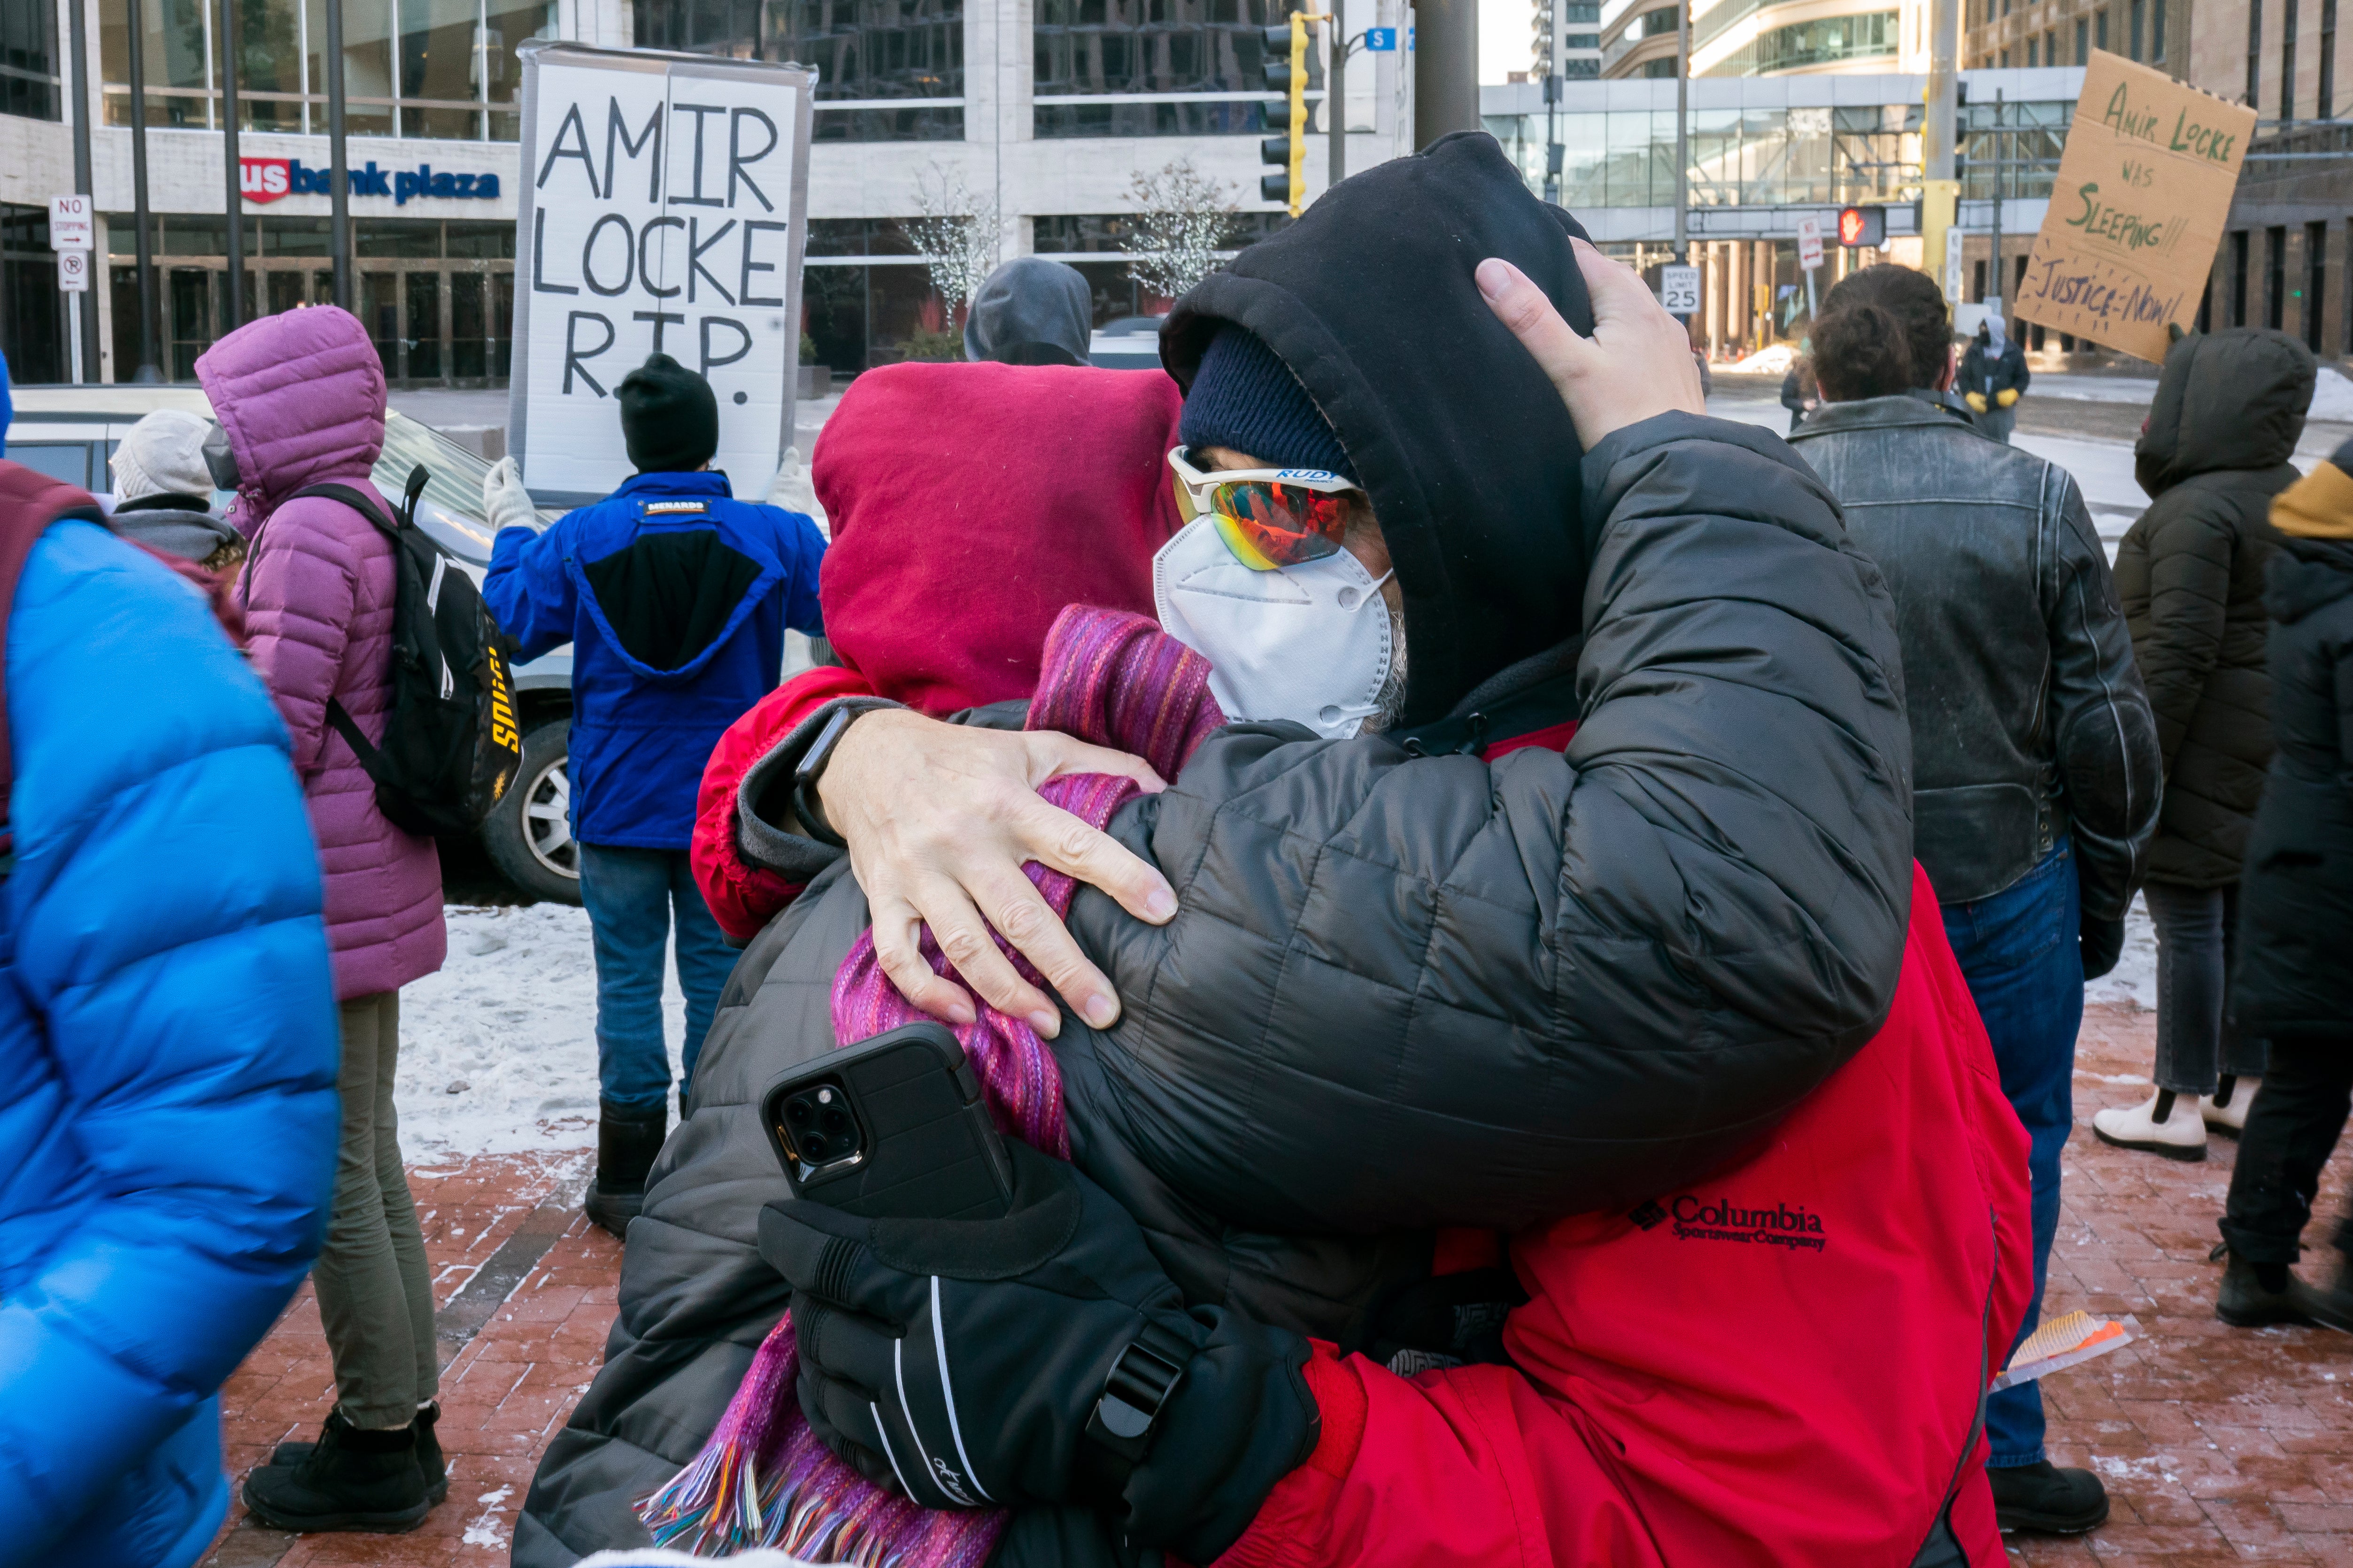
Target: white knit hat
x=163, y=454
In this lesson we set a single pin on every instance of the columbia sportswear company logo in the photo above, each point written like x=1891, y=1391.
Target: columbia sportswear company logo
x=1721, y=1219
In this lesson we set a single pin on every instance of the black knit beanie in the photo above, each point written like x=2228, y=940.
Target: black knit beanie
x=1245, y=399
x=669, y=417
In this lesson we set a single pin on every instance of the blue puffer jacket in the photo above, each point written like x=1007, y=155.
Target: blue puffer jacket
x=675, y=599
x=167, y=1056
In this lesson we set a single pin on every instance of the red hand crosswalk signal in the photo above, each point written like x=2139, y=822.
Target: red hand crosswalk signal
x=1862, y=228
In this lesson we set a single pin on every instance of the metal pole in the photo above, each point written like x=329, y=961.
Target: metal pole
x=144, y=255
x=235, y=208
x=1445, y=69
x=1940, y=191
x=1683, y=131
x=2002, y=165
x=1552, y=150
x=85, y=319
x=1335, y=92
x=339, y=179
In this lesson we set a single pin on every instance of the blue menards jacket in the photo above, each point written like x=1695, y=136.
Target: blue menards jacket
x=675, y=598
x=167, y=1056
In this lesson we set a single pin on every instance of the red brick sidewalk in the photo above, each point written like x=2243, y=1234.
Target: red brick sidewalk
x=526, y=1288
x=2218, y=1445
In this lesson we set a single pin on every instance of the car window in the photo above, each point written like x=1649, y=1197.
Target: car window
x=65, y=461
x=451, y=508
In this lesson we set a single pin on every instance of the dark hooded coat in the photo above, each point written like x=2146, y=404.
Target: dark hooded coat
x=1407, y=986
x=2296, y=899
x=2230, y=407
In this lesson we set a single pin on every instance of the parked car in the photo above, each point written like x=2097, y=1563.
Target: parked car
x=70, y=432
x=1131, y=343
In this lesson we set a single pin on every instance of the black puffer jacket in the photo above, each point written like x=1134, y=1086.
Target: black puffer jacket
x=2295, y=905
x=1400, y=991
x=1403, y=991
x=2230, y=407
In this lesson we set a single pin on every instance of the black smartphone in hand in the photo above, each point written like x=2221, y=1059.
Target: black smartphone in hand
x=891, y=1128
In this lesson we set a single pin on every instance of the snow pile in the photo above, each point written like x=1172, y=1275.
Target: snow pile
x=1773, y=361
x=2332, y=397
x=2133, y=979
x=498, y=1051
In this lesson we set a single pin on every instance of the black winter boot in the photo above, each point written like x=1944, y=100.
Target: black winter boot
x=2257, y=1295
x=628, y=1140
x=2046, y=1499
x=2331, y=1308
x=429, y=1454
x=352, y=1479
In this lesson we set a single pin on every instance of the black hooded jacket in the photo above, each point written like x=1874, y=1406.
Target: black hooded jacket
x=2230, y=407
x=1407, y=986
x=2295, y=896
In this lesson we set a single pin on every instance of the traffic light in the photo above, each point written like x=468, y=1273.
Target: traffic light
x=1862, y=228
x=1292, y=70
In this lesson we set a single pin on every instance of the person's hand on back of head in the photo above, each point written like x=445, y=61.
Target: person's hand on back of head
x=505, y=502
x=1637, y=364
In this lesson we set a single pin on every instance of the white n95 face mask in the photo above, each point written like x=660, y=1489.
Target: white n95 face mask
x=1309, y=643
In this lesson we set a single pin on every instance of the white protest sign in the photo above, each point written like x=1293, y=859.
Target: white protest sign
x=663, y=207
x=71, y=225
x=1679, y=288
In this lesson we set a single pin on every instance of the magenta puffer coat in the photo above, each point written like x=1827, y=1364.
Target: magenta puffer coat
x=302, y=398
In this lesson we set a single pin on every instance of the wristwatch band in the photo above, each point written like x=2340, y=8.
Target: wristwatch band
x=1137, y=1388
x=806, y=805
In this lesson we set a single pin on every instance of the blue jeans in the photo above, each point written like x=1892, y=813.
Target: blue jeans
x=632, y=895
x=2020, y=952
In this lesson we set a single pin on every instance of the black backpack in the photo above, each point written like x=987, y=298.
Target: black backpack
x=451, y=745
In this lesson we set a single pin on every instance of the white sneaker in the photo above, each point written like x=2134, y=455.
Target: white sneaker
x=2181, y=1136
x=2229, y=1119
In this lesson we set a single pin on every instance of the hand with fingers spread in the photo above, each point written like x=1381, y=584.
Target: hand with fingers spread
x=939, y=819
x=1637, y=364
x=1045, y=1357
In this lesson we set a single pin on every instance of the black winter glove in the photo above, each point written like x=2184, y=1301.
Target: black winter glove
x=964, y=1361
x=2103, y=943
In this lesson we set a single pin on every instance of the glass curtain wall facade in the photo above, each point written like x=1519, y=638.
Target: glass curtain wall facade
x=888, y=70
x=412, y=67
x=30, y=65
x=1739, y=157
x=32, y=311
x=437, y=297
x=1152, y=68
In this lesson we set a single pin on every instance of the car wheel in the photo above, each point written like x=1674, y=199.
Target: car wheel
x=529, y=833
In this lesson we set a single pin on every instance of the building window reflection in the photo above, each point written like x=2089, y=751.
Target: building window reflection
x=888, y=70
x=446, y=68
x=1151, y=67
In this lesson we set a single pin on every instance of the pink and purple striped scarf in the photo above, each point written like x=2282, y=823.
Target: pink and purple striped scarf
x=764, y=1479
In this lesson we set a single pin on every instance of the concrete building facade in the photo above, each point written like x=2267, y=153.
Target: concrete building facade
x=1047, y=111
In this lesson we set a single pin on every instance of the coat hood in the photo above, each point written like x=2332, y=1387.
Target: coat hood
x=1031, y=312
x=1456, y=434
x=972, y=503
x=175, y=524
x=2308, y=574
x=300, y=396
x=2232, y=399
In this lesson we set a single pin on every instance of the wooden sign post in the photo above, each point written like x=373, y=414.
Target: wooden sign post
x=2137, y=210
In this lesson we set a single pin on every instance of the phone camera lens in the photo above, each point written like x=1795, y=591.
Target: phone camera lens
x=797, y=1111
x=814, y=1149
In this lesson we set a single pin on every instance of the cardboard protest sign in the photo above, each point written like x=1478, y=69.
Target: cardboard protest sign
x=663, y=208
x=2138, y=208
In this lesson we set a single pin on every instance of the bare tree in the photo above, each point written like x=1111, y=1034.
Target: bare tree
x=1183, y=219
x=956, y=234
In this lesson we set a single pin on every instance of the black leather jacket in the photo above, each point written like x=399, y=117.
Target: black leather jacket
x=2028, y=717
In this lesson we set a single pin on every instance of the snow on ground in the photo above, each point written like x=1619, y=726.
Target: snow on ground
x=2133, y=979
x=498, y=1051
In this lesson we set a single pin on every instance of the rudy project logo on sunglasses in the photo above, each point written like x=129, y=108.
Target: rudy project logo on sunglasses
x=1309, y=477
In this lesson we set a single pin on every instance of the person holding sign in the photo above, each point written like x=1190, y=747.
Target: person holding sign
x=675, y=597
